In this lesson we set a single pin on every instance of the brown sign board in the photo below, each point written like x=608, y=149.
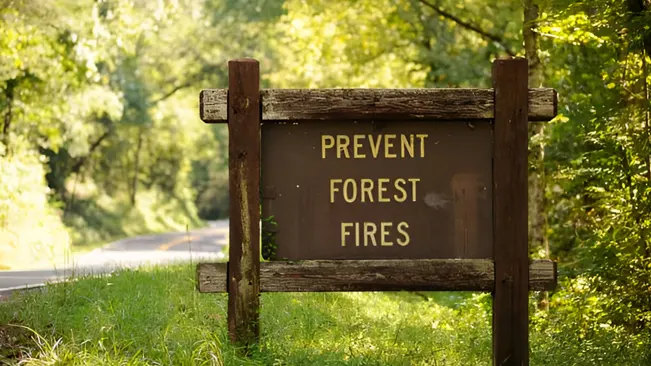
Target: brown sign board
x=377, y=190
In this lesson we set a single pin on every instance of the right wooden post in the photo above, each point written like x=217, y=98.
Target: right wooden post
x=510, y=246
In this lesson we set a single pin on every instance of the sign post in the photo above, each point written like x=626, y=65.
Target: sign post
x=380, y=190
x=244, y=187
x=510, y=240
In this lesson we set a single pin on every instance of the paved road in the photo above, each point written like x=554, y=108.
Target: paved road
x=204, y=244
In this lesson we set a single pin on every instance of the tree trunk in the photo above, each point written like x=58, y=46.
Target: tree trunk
x=134, y=182
x=646, y=246
x=8, y=115
x=639, y=8
x=537, y=201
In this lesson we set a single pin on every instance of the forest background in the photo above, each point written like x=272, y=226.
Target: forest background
x=100, y=136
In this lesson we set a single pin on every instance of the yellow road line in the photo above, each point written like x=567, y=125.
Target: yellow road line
x=175, y=242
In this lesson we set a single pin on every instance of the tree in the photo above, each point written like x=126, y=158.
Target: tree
x=598, y=154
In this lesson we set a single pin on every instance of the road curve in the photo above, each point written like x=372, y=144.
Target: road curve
x=207, y=243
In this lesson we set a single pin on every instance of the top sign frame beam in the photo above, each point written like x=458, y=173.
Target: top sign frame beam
x=296, y=105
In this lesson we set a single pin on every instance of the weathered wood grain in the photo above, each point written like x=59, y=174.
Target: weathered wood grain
x=510, y=243
x=212, y=104
x=376, y=275
x=244, y=186
x=543, y=275
x=377, y=104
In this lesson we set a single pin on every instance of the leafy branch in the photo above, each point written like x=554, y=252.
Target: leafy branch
x=206, y=69
x=485, y=34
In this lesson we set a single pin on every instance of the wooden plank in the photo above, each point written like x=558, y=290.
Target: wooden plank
x=376, y=275
x=543, y=275
x=212, y=104
x=244, y=185
x=542, y=104
x=510, y=247
x=213, y=277
x=377, y=104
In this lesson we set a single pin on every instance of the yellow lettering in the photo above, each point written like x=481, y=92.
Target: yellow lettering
x=402, y=190
x=327, y=142
x=422, y=137
x=367, y=187
x=407, y=145
x=405, y=236
x=333, y=189
x=357, y=145
x=385, y=232
x=381, y=189
x=357, y=234
x=388, y=145
x=375, y=145
x=344, y=232
x=413, y=181
x=368, y=233
x=342, y=146
x=353, y=196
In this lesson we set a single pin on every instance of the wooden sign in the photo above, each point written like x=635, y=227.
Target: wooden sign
x=376, y=190
x=380, y=190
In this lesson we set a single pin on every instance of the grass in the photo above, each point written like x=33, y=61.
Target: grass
x=155, y=316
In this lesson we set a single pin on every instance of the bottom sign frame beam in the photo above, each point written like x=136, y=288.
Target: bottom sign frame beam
x=376, y=275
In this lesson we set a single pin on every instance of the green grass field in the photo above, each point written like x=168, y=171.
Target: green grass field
x=154, y=316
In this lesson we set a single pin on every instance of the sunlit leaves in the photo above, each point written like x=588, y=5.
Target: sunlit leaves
x=345, y=44
x=603, y=152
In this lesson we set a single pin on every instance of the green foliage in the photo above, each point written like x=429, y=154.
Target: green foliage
x=344, y=44
x=598, y=157
x=30, y=230
x=106, y=92
x=99, y=219
x=583, y=331
x=269, y=246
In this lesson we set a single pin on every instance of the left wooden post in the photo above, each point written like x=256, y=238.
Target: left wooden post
x=244, y=184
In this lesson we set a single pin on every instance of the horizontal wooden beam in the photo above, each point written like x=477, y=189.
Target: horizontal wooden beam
x=376, y=275
x=280, y=105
